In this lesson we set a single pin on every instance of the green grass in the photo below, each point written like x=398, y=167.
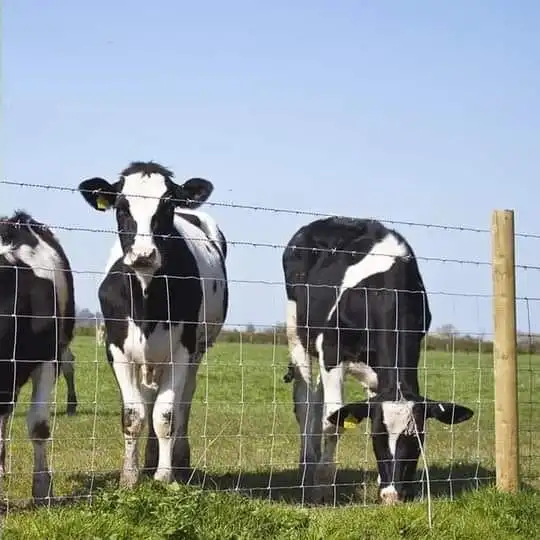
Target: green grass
x=244, y=437
x=153, y=512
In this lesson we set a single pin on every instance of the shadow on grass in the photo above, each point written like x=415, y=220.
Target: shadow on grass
x=285, y=485
x=452, y=481
x=352, y=486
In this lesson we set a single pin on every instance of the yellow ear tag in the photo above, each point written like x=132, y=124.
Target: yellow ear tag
x=350, y=422
x=102, y=203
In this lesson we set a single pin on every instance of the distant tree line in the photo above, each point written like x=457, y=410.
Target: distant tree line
x=446, y=338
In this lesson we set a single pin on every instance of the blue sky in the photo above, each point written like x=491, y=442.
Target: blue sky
x=408, y=111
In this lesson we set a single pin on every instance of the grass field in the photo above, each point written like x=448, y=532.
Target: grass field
x=244, y=437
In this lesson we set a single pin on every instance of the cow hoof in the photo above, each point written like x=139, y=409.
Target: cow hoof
x=185, y=475
x=323, y=495
x=71, y=410
x=128, y=479
x=323, y=483
x=41, y=501
x=42, y=489
x=163, y=475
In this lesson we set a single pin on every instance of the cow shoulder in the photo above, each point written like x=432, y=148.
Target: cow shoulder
x=321, y=252
x=204, y=239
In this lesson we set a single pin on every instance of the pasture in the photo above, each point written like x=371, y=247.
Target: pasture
x=244, y=438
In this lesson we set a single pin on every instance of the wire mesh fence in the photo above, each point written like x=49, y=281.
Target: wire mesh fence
x=243, y=432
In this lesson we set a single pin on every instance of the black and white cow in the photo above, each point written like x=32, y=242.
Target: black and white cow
x=37, y=317
x=164, y=301
x=357, y=302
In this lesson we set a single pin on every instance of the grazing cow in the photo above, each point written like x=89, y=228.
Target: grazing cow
x=164, y=301
x=67, y=366
x=357, y=302
x=37, y=310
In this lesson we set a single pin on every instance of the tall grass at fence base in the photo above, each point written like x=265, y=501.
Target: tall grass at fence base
x=153, y=512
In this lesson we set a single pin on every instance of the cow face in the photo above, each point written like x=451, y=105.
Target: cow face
x=397, y=431
x=144, y=200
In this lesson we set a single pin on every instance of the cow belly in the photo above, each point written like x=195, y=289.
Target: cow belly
x=151, y=353
x=157, y=348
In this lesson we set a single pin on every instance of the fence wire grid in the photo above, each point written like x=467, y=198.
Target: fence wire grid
x=242, y=429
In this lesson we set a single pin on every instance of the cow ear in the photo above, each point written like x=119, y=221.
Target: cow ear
x=350, y=415
x=98, y=193
x=193, y=193
x=448, y=413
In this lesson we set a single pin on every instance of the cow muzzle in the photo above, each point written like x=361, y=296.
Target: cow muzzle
x=143, y=258
x=390, y=496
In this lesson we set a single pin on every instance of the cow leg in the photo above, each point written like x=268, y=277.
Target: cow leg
x=304, y=409
x=133, y=413
x=162, y=419
x=4, y=420
x=151, y=451
x=68, y=370
x=8, y=403
x=303, y=399
x=332, y=382
x=174, y=384
x=181, y=459
x=43, y=380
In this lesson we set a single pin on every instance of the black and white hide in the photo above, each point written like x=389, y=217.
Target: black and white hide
x=164, y=301
x=37, y=317
x=357, y=303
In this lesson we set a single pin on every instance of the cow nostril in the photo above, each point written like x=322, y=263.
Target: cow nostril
x=390, y=498
x=147, y=259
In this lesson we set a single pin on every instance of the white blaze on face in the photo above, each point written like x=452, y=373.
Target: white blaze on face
x=398, y=419
x=143, y=194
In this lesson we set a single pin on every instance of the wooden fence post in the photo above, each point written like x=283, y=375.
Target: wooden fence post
x=504, y=351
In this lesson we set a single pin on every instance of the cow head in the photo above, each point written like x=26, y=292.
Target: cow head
x=397, y=431
x=144, y=199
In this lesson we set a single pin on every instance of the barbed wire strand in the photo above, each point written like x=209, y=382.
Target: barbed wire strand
x=312, y=213
x=299, y=248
